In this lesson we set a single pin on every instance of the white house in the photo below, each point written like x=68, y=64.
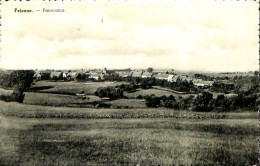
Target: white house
x=147, y=75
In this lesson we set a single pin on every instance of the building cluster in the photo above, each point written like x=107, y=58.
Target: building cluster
x=99, y=74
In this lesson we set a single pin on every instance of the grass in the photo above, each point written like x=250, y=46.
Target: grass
x=49, y=99
x=36, y=111
x=124, y=142
x=74, y=87
x=156, y=92
x=129, y=103
x=43, y=135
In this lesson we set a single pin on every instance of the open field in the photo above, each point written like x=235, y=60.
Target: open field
x=127, y=141
x=74, y=87
x=156, y=92
x=130, y=103
x=36, y=111
x=57, y=100
x=49, y=99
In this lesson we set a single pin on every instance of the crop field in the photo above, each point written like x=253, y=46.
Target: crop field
x=88, y=88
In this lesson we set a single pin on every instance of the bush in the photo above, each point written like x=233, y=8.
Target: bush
x=152, y=101
x=201, y=102
x=110, y=92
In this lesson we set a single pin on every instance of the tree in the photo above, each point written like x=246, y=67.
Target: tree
x=111, y=92
x=202, y=102
x=19, y=80
x=149, y=69
x=152, y=101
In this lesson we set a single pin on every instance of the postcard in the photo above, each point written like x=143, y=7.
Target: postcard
x=129, y=82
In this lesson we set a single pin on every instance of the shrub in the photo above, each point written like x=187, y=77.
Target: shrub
x=201, y=102
x=110, y=92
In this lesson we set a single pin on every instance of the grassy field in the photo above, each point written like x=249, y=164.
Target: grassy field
x=74, y=87
x=49, y=99
x=129, y=141
x=156, y=92
x=130, y=103
x=37, y=111
x=44, y=135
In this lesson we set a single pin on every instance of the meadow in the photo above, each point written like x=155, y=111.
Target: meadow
x=49, y=99
x=73, y=87
x=50, y=128
x=127, y=141
x=44, y=135
x=156, y=92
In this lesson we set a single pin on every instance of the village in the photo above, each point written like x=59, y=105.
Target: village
x=101, y=74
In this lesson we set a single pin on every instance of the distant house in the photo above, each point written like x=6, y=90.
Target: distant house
x=56, y=75
x=95, y=76
x=102, y=75
x=147, y=75
x=72, y=75
x=185, y=78
x=37, y=75
x=203, y=84
x=137, y=74
x=196, y=80
x=170, y=77
x=162, y=76
x=65, y=74
x=125, y=74
x=174, y=78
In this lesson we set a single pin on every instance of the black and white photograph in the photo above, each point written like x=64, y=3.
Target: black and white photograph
x=129, y=82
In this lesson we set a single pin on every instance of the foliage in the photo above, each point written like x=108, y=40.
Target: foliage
x=149, y=69
x=152, y=101
x=203, y=77
x=201, y=102
x=128, y=87
x=110, y=92
x=19, y=80
x=222, y=87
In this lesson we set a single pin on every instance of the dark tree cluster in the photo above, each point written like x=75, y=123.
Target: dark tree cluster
x=205, y=102
x=128, y=87
x=20, y=81
x=222, y=87
x=112, y=93
x=203, y=77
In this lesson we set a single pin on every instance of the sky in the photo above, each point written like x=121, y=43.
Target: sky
x=207, y=36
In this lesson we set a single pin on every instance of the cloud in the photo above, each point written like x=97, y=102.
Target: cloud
x=208, y=36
